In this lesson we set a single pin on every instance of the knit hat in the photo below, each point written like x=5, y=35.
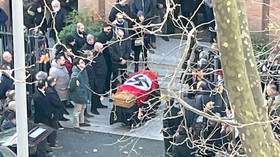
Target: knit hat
x=140, y=13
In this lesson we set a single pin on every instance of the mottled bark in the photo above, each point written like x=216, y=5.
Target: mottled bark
x=252, y=72
x=237, y=82
x=265, y=18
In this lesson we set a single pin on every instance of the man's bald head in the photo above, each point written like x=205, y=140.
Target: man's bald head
x=7, y=57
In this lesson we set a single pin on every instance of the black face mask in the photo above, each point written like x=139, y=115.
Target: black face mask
x=80, y=32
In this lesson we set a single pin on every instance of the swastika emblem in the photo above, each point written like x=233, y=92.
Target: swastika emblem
x=140, y=81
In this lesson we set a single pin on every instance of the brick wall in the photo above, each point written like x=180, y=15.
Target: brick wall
x=93, y=6
x=254, y=8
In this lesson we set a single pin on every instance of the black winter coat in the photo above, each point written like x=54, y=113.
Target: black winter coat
x=80, y=41
x=69, y=5
x=6, y=84
x=59, y=17
x=221, y=103
x=148, y=10
x=201, y=99
x=183, y=149
x=3, y=17
x=171, y=122
x=119, y=8
x=104, y=38
x=43, y=108
x=34, y=18
x=99, y=72
x=54, y=100
x=162, y=2
x=87, y=46
x=120, y=49
x=189, y=5
x=90, y=71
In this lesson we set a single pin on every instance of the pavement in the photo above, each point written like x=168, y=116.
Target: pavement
x=106, y=145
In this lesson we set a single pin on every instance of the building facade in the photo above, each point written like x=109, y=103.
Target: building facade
x=254, y=9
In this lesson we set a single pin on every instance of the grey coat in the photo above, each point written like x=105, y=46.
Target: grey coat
x=79, y=85
x=62, y=80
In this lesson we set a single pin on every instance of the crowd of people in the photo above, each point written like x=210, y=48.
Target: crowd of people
x=86, y=68
x=185, y=132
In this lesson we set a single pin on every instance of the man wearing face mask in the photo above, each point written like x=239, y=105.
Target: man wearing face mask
x=59, y=16
x=80, y=36
x=34, y=15
x=120, y=52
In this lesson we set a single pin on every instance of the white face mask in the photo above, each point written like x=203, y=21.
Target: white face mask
x=56, y=10
x=39, y=10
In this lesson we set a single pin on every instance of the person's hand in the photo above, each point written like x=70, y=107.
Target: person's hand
x=190, y=130
x=210, y=5
x=160, y=5
x=78, y=83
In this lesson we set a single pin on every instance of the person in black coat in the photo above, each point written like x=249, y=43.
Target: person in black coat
x=69, y=5
x=120, y=53
x=202, y=97
x=34, y=15
x=89, y=45
x=71, y=43
x=80, y=36
x=99, y=73
x=54, y=99
x=3, y=18
x=45, y=113
x=59, y=15
x=6, y=82
x=171, y=121
x=119, y=7
x=188, y=8
x=147, y=9
x=145, y=44
x=104, y=37
x=221, y=101
x=184, y=146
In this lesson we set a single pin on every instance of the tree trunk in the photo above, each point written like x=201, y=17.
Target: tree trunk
x=252, y=133
x=265, y=19
x=251, y=68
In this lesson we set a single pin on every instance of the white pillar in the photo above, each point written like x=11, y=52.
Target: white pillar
x=20, y=87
